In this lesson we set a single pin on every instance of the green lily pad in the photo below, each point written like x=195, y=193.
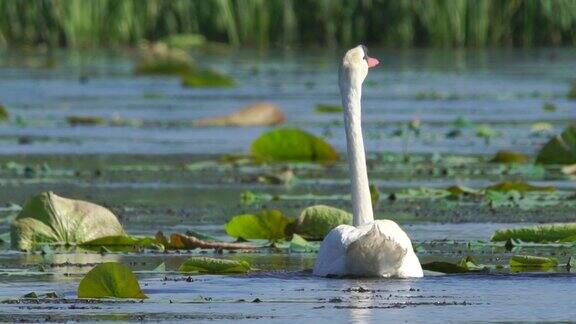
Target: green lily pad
x=532, y=262
x=299, y=245
x=4, y=115
x=537, y=234
x=561, y=149
x=267, y=225
x=207, y=78
x=316, y=221
x=505, y=156
x=48, y=218
x=291, y=144
x=214, y=266
x=110, y=280
x=328, y=109
x=185, y=41
x=519, y=186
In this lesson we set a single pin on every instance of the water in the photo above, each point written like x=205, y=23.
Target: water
x=143, y=174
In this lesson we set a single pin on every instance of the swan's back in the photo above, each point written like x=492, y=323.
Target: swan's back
x=379, y=249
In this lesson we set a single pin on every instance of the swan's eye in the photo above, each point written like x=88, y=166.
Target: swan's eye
x=365, y=49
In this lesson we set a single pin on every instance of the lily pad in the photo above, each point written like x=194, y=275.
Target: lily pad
x=85, y=120
x=159, y=59
x=537, y=234
x=328, y=109
x=256, y=114
x=561, y=149
x=207, y=78
x=123, y=243
x=214, y=266
x=532, y=262
x=315, y=222
x=299, y=245
x=519, y=186
x=110, y=280
x=267, y=225
x=185, y=41
x=4, y=115
x=467, y=264
x=49, y=218
x=291, y=144
x=505, y=156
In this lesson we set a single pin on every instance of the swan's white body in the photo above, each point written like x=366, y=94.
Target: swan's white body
x=368, y=248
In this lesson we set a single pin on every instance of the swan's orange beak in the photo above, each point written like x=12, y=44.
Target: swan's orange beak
x=372, y=62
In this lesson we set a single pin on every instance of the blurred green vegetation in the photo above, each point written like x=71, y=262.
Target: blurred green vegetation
x=89, y=23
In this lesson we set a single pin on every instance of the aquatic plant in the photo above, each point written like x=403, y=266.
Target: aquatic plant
x=572, y=92
x=255, y=114
x=85, y=120
x=207, y=78
x=48, y=218
x=110, y=280
x=316, y=221
x=473, y=23
x=538, y=234
x=159, y=59
x=291, y=144
x=4, y=115
x=528, y=262
x=561, y=149
x=328, y=109
x=506, y=156
x=207, y=265
x=269, y=225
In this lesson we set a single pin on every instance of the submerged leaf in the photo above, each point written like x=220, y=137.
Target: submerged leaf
x=291, y=144
x=561, y=149
x=214, y=266
x=537, y=234
x=532, y=262
x=48, y=218
x=110, y=280
x=268, y=224
x=316, y=221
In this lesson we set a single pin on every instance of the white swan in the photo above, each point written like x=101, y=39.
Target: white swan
x=368, y=248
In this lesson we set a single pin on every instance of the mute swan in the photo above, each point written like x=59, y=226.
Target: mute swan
x=368, y=248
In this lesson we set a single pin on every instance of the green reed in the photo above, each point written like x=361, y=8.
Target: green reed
x=394, y=23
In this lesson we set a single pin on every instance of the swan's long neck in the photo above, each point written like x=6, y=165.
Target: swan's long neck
x=361, y=202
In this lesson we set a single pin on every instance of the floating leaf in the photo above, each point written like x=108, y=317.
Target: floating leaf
x=315, y=222
x=255, y=114
x=444, y=267
x=268, y=224
x=85, y=120
x=458, y=191
x=4, y=115
x=549, y=107
x=48, y=218
x=207, y=78
x=161, y=60
x=509, y=157
x=290, y=144
x=110, y=280
x=532, y=262
x=214, y=266
x=561, y=149
x=300, y=245
x=328, y=109
x=123, y=243
x=185, y=41
x=572, y=92
x=537, y=234
x=519, y=186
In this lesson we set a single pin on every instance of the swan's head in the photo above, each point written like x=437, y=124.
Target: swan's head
x=355, y=65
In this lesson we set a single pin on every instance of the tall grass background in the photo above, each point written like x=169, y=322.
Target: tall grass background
x=263, y=23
